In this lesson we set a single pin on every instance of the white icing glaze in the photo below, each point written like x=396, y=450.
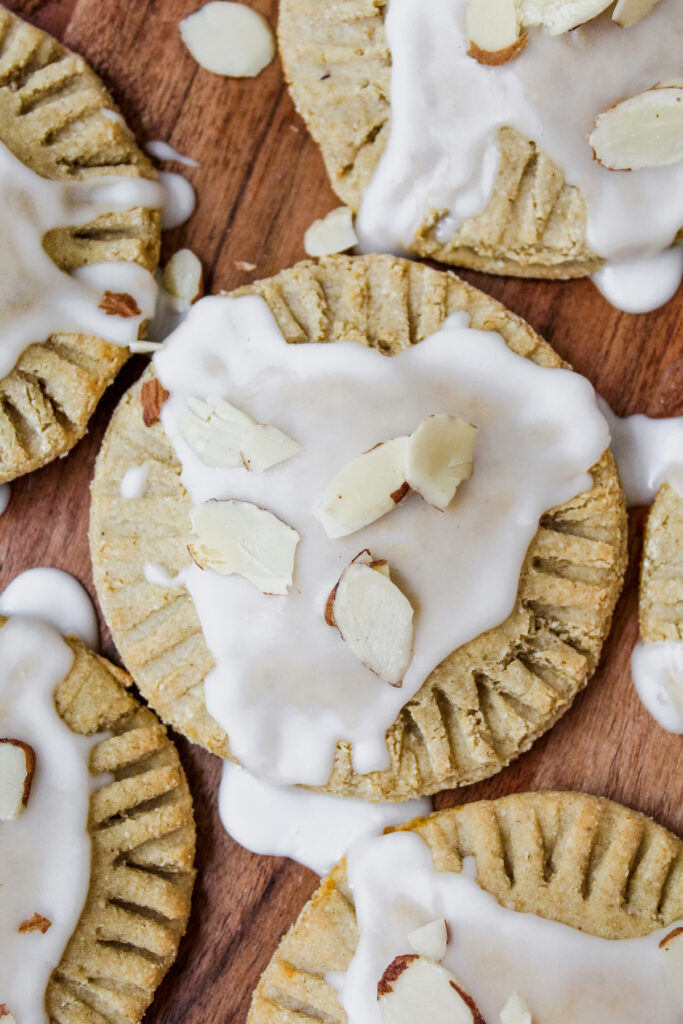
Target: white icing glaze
x=649, y=452
x=134, y=481
x=639, y=286
x=314, y=829
x=160, y=576
x=446, y=110
x=179, y=200
x=564, y=974
x=45, y=853
x=57, y=598
x=657, y=670
x=5, y=495
x=285, y=686
x=163, y=151
x=37, y=298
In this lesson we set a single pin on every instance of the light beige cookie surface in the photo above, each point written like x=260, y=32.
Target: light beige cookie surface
x=484, y=704
x=338, y=66
x=143, y=840
x=580, y=860
x=661, y=574
x=52, y=117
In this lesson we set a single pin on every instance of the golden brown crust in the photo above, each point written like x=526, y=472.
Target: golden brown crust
x=51, y=117
x=661, y=573
x=580, y=860
x=484, y=704
x=338, y=66
x=143, y=841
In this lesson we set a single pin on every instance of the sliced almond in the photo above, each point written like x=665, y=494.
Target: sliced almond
x=415, y=989
x=239, y=538
x=559, y=16
x=152, y=397
x=439, y=458
x=331, y=234
x=365, y=489
x=229, y=39
x=515, y=1011
x=183, y=276
x=6, y=1016
x=119, y=304
x=643, y=131
x=222, y=435
x=374, y=618
x=672, y=948
x=628, y=12
x=17, y=767
x=493, y=31
x=36, y=923
x=431, y=940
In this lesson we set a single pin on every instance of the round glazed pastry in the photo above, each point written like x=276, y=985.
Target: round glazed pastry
x=485, y=623
x=429, y=132
x=521, y=908
x=80, y=243
x=98, y=835
x=657, y=660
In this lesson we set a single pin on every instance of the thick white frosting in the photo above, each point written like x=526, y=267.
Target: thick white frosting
x=446, y=110
x=37, y=298
x=314, y=829
x=649, y=453
x=45, y=853
x=657, y=670
x=57, y=598
x=562, y=973
x=285, y=686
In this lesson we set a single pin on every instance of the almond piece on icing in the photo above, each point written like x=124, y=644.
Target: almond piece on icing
x=431, y=940
x=643, y=131
x=119, y=304
x=416, y=989
x=17, y=767
x=374, y=617
x=515, y=1011
x=152, y=397
x=628, y=12
x=365, y=489
x=37, y=923
x=672, y=950
x=439, y=458
x=222, y=435
x=559, y=17
x=238, y=538
x=493, y=31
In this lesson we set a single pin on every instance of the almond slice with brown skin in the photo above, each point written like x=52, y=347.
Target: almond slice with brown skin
x=183, y=276
x=17, y=767
x=643, y=131
x=152, y=397
x=415, y=989
x=493, y=31
x=365, y=489
x=240, y=538
x=672, y=950
x=628, y=12
x=374, y=617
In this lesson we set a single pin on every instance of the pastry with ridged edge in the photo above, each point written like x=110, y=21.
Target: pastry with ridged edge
x=52, y=117
x=661, y=575
x=580, y=860
x=142, y=831
x=338, y=66
x=485, y=703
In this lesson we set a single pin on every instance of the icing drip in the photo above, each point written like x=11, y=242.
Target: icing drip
x=57, y=598
x=649, y=452
x=657, y=670
x=179, y=200
x=447, y=109
x=539, y=433
x=314, y=829
x=163, y=151
x=134, y=481
x=564, y=974
x=37, y=298
x=45, y=853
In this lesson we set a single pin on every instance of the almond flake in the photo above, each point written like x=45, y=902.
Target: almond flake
x=119, y=304
x=643, y=131
x=37, y=923
x=628, y=12
x=152, y=396
x=17, y=767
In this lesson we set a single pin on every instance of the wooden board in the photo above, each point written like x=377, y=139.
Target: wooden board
x=260, y=184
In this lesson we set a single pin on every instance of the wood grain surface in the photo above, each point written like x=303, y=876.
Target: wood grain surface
x=260, y=184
